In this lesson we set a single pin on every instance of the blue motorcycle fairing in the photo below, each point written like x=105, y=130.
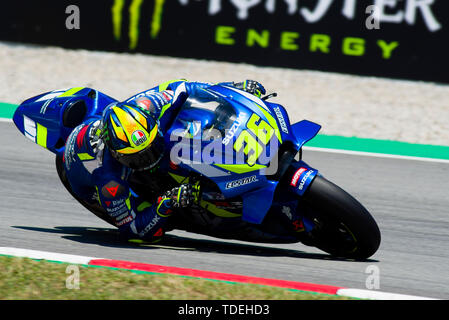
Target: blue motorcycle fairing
x=282, y=119
x=199, y=115
x=299, y=133
x=256, y=203
x=41, y=118
x=304, y=131
x=236, y=178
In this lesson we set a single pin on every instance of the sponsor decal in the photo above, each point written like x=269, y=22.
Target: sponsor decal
x=138, y=137
x=241, y=182
x=304, y=179
x=29, y=128
x=152, y=223
x=159, y=233
x=113, y=190
x=51, y=95
x=298, y=225
x=296, y=176
x=121, y=211
x=118, y=9
x=122, y=216
x=45, y=105
x=349, y=10
x=229, y=35
x=129, y=218
x=287, y=211
x=316, y=43
x=173, y=165
x=144, y=103
x=152, y=97
x=281, y=119
x=168, y=95
x=162, y=98
x=235, y=126
x=115, y=204
x=80, y=137
x=387, y=31
x=379, y=11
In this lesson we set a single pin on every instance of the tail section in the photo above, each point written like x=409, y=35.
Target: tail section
x=49, y=118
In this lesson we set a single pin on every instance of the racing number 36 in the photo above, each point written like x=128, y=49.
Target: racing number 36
x=246, y=140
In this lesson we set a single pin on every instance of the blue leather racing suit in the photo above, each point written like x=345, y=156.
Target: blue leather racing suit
x=98, y=179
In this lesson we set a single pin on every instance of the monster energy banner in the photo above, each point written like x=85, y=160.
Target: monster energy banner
x=389, y=38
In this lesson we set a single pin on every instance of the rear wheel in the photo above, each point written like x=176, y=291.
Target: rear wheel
x=343, y=226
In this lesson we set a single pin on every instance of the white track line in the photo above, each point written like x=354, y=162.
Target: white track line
x=51, y=256
x=377, y=295
x=373, y=154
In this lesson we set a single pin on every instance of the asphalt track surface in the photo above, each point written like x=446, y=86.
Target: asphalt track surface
x=409, y=199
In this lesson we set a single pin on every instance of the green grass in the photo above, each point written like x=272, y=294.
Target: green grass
x=27, y=279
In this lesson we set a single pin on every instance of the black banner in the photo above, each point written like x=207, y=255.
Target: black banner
x=406, y=39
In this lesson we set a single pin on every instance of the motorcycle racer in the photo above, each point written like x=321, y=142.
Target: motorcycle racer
x=100, y=155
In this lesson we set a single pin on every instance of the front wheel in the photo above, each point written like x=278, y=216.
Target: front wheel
x=343, y=226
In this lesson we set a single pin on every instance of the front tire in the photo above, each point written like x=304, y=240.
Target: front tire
x=343, y=226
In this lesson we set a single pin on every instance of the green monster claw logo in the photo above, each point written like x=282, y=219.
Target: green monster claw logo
x=134, y=17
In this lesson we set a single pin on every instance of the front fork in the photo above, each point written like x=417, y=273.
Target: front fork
x=299, y=177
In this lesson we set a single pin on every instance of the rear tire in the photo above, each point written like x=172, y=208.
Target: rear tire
x=344, y=227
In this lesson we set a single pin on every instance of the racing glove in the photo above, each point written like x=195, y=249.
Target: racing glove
x=251, y=86
x=180, y=197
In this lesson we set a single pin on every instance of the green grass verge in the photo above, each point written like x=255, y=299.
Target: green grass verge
x=27, y=279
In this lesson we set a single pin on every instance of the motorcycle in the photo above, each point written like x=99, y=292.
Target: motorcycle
x=245, y=156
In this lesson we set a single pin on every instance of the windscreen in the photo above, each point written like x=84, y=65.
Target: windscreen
x=212, y=110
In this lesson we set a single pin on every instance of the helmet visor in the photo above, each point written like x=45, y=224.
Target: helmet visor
x=144, y=159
